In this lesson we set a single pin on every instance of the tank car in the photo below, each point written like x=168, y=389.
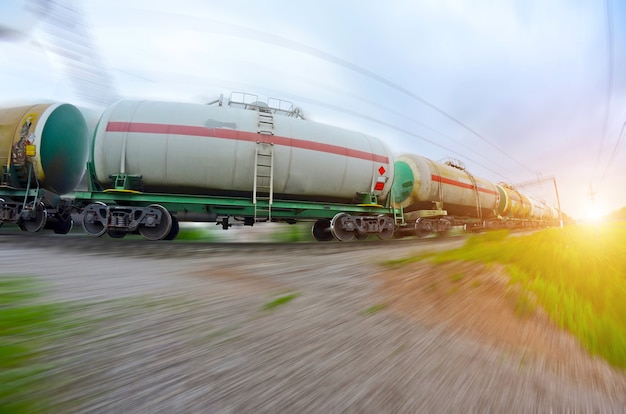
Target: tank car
x=437, y=196
x=520, y=210
x=196, y=149
x=156, y=163
x=541, y=213
x=514, y=207
x=43, y=151
x=512, y=202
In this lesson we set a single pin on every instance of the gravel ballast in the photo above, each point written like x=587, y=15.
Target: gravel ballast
x=298, y=331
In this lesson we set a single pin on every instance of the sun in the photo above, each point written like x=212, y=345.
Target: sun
x=595, y=216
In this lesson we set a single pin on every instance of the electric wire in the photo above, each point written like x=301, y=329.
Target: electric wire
x=299, y=47
x=404, y=131
x=342, y=109
x=399, y=114
x=230, y=29
x=609, y=90
x=615, y=149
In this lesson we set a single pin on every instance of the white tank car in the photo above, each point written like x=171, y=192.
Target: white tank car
x=512, y=202
x=423, y=184
x=209, y=150
x=539, y=210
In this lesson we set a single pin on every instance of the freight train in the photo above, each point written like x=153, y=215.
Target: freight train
x=151, y=165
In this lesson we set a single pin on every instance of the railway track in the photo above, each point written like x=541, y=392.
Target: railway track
x=138, y=247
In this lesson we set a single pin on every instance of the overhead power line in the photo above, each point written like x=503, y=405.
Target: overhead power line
x=609, y=86
x=264, y=37
x=615, y=149
x=404, y=131
x=290, y=44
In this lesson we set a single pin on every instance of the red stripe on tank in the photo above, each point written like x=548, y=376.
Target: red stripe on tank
x=461, y=184
x=198, y=131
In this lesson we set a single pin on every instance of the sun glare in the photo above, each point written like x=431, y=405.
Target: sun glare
x=595, y=217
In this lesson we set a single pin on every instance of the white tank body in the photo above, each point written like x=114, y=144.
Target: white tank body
x=207, y=150
x=539, y=210
x=421, y=183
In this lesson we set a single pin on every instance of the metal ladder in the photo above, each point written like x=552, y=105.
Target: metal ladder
x=263, y=190
x=265, y=124
x=263, y=186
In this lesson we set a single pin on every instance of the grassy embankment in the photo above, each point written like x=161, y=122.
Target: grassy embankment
x=577, y=274
x=25, y=326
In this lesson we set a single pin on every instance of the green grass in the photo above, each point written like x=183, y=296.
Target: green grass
x=195, y=234
x=280, y=301
x=292, y=233
x=374, y=309
x=456, y=277
x=577, y=274
x=25, y=326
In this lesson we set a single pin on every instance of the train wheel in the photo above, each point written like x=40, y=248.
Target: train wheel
x=174, y=230
x=388, y=228
x=37, y=220
x=386, y=234
x=444, y=228
x=116, y=234
x=337, y=230
x=63, y=225
x=423, y=227
x=1, y=211
x=360, y=236
x=94, y=219
x=321, y=230
x=156, y=229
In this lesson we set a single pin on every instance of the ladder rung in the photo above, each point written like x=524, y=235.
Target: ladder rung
x=263, y=174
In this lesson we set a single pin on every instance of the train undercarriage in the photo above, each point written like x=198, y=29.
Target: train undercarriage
x=35, y=210
x=425, y=223
x=157, y=216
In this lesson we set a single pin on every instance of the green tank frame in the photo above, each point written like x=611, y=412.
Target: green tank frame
x=124, y=197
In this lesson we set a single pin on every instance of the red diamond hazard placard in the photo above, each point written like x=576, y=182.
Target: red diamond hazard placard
x=382, y=170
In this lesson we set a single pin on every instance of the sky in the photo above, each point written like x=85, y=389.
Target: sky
x=528, y=92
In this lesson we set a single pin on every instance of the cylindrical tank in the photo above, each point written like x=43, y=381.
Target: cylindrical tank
x=421, y=183
x=210, y=150
x=538, y=210
x=52, y=137
x=512, y=202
